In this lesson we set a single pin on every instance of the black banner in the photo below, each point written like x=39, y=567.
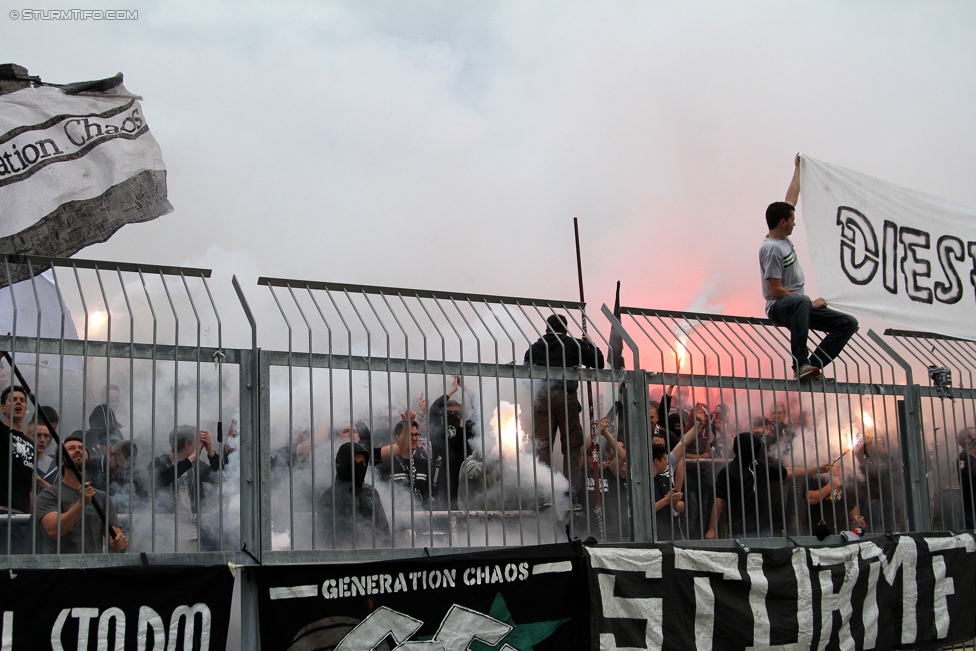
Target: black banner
x=891, y=592
x=530, y=598
x=141, y=608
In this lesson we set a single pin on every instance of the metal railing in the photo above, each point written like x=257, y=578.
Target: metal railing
x=338, y=362
x=352, y=359
x=856, y=423
x=356, y=357
x=946, y=416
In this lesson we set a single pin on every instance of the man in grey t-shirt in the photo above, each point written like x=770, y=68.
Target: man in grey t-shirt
x=782, y=286
x=65, y=510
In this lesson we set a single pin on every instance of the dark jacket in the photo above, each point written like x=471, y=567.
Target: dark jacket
x=557, y=350
x=103, y=419
x=350, y=513
x=412, y=476
x=967, y=481
x=166, y=475
x=746, y=485
x=449, y=447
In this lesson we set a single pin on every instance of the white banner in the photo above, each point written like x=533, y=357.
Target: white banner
x=883, y=251
x=75, y=167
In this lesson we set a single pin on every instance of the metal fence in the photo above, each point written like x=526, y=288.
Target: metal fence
x=850, y=444
x=123, y=356
x=132, y=356
x=358, y=358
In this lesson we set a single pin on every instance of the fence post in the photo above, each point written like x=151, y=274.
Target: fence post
x=913, y=457
x=911, y=443
x=639, y=470
x=251, y=507
x=638, y=455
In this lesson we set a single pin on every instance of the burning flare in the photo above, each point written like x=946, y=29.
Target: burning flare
x=867, y=420
x=852, y=439
x=681, y=352
x=506, y=425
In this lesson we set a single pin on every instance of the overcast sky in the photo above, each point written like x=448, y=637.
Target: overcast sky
x=448, y=145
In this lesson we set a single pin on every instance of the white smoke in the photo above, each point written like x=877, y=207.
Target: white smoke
x=505, y=476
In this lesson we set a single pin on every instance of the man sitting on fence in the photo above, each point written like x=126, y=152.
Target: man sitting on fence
x=65, y=510
x=782, y=287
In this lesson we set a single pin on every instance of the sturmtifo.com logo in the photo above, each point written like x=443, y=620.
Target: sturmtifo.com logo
x=74, y=14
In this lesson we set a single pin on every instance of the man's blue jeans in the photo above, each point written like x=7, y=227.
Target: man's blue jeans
x=20, y=538
x=796, y=313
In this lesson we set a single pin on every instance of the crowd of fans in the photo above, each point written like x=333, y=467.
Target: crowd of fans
x=67, y=498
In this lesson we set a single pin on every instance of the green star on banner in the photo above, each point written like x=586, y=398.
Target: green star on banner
x=523, y=637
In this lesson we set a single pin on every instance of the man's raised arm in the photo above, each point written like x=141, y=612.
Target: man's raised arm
x=793, y=193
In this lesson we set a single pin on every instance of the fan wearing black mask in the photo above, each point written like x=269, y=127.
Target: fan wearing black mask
x=744, y=488
x=350, y=513
x=449, y=444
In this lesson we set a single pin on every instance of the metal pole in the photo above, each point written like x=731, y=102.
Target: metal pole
x=594, y=451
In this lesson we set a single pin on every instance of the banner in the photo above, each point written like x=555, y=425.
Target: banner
x=884, y=251
x=519, y=599
x=76, y=163
x=131, y=608
x=892, y=592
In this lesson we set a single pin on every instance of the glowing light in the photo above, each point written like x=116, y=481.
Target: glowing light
x=97, y=320
x=867, y=420
x=507, y=426
x=681, y=351
x=850, y=442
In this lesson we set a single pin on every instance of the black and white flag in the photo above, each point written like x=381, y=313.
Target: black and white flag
x=521, y=599
x=911, y=591
x=77, y=162
x=138, y=608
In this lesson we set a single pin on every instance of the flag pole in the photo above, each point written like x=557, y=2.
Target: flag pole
x=594, y=451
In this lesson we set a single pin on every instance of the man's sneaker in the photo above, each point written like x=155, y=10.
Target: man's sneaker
x=807, y=372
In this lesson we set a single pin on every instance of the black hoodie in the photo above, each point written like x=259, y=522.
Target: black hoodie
x=350, y=512
x=745, y=485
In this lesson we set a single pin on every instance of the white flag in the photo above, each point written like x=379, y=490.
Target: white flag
x=32, y=309
x=887, y=252
x=76, y=163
